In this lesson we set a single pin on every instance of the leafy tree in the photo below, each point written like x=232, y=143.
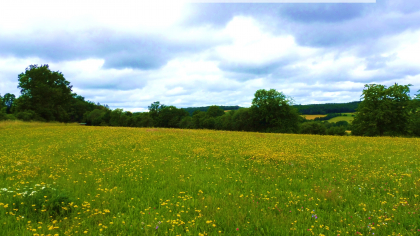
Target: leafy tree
x=170, y=116
x=197, y=119
x=8, y=101
x=1, y=102
x=79, y=106
x=215, y=111
x=208, y=122
x=242, y=120
x=186, y=123
x=155, y=108
x=94, y=117
x=117, y=118
x=225, y=122
x=46, y=92
x=383, y=111
x=271, y=112
x=414, y=126
x=146, y=120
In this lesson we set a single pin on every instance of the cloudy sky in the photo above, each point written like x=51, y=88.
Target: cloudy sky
x=132, y=53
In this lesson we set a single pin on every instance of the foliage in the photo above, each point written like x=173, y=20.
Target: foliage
x=191, y=110
x=414, y=124
x=271, y=111
x=313, y=128
x=46, y=92
x=383, y=111
x=8, y=102
x=315, y=109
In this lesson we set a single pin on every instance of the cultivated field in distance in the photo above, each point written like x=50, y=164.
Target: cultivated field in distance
x=62, y=179
x=312, y=117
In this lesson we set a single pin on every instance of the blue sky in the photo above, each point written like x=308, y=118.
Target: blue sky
x=132, y=53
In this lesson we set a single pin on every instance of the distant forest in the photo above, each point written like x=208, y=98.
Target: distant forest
x=311, y=109
x=47, y=96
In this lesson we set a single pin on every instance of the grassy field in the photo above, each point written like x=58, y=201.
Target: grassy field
x=58, y=179
x=312, y=117
x=341, y=118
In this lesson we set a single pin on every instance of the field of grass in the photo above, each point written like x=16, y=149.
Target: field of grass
x=312, y=117
x=58, y=179
x=341, y=118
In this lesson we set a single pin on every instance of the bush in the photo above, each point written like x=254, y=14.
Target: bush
x=340, y=130
x=27, y=115
x=2, y=116
x=186, y=123
x=313, y=128
x=10, y=117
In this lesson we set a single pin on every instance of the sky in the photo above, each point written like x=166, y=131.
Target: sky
x=129, y=54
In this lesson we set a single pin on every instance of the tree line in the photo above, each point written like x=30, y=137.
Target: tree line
x=47, y=96
x=310, y=109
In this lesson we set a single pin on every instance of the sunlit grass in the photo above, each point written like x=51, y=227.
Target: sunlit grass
x=341, y=118
x=312, y=117
x=71, y=180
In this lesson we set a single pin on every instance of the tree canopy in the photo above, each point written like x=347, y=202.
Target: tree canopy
x=271, y=111
x=8, y=102
x=383, y=110
x=45, y=92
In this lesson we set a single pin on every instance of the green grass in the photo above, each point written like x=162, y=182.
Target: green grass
x=341, y=118
x=71, y=180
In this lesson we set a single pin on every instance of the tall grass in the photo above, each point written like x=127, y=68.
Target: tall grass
x=71, y=180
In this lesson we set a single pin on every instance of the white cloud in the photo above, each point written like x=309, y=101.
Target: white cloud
x=126, y=15
x=251, y=44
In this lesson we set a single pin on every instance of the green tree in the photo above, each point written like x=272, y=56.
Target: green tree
x=215, y=111
x=155, y=108
x=8, y=102
x=242, y=120
x=382, y=111
x=197, y=119
x=46, y=92
x=271, y=111
x=414, y=126
x=186, y=123
x=94, y=117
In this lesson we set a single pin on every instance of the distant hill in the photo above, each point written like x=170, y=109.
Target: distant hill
x=311, y=109
x=316, y=109
x=192, y=109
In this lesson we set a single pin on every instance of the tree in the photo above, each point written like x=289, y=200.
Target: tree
x=8, y=101
x=414, y=126
x=155, y=108
x=197, y=119
x=382, y=111
x=271, y=111
x=215, y=111
x=242, y=120
x=46, y=92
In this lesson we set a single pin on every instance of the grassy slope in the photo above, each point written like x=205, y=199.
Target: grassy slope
x=124, y=181
x=342, y=118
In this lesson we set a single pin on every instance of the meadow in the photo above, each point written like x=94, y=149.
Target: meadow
x=58, y=179
x=341, y=118
x=312, y=117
